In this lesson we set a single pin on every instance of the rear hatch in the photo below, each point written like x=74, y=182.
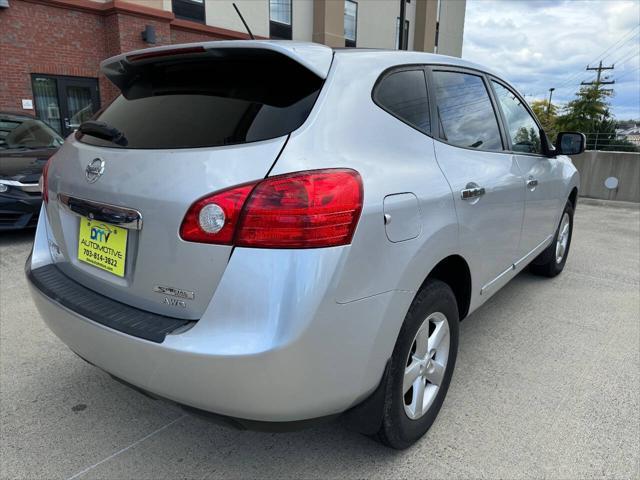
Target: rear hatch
x=191, y=120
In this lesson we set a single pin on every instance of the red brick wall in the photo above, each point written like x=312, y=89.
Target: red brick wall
x=62, y=38
x=42, y=39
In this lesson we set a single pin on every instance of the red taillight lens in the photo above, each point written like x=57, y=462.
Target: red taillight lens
x=302, y=210
x=44, y=182
x=230, y=201
x=319, y=208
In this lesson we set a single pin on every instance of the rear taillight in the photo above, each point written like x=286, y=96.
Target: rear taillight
x=44, y=183
x=318, y=208
x=199, y=220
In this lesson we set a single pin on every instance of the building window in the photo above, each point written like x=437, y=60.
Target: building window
x=189, y=10
x=350, y=23
x=405, y=35
x=65, y=102
x=280, y=13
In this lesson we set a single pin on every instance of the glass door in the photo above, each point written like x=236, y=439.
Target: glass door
x=45, y=94
x=65, y=102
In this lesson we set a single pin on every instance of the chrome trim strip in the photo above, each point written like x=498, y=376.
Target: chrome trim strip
x=120, y=216
x=25, y=187
x=484, y=289
x=515, y=266
x=541, y=246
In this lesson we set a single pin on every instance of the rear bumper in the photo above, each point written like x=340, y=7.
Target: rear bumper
x=264, y=350
x=19, y=211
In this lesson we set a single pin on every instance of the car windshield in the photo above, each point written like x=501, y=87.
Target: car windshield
x=23, y=132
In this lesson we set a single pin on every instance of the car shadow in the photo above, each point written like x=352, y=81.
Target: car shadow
x=17, y=237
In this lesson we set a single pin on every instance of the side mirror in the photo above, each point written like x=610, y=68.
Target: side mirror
x=570, y=143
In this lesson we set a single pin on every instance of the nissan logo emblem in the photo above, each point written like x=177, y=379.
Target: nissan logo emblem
x=94, y=170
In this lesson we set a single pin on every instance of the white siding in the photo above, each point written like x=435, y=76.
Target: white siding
x=377, y=23
x=451, y=27
x=302, y=27
x=220, y=13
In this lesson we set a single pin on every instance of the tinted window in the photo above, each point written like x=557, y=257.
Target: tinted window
x=523, y=130
x=24, y=132
x=404, y=94
x=465, y=112
x=211, y=102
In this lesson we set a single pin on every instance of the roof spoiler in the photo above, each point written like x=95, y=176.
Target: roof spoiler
x=316, y=58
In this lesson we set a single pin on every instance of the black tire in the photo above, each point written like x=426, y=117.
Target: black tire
x=546, y=264
x=398, y=430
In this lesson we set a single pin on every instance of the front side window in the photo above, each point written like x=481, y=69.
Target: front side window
x=465, y=114
x=280, y=14
x=350, y=23
x=523, y=130
x=404, y=95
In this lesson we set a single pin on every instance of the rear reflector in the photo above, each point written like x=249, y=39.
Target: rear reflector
x=318, y=208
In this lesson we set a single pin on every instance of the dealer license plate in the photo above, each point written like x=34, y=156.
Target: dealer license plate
x=102, y=245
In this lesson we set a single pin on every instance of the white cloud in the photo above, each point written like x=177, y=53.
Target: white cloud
x=542, y=43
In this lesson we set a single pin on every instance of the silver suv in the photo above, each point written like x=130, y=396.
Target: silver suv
x=275, y=233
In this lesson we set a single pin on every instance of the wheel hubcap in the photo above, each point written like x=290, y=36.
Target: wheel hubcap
x=563, y=238
x=426, y=365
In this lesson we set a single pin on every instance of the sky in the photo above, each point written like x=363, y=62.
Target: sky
x=539, y=44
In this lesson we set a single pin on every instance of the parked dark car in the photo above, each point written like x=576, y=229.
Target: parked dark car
x=25, y=146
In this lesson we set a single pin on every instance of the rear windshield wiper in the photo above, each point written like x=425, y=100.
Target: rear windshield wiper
x=104, y=131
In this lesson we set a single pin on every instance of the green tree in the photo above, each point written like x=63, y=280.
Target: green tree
x=589, y=113
x=548, y=115
x=527, y=141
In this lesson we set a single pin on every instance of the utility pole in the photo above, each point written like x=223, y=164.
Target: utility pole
x=549, y=104
x=599, y=81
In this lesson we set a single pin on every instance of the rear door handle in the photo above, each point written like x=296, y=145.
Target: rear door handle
x=532, y=183
x=472, y=190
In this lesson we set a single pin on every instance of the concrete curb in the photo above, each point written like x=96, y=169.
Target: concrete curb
x=608, y=203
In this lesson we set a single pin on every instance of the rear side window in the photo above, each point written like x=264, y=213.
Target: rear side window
x=523, y=129
x=465, y=113
x=209, y=101
x=404, y=95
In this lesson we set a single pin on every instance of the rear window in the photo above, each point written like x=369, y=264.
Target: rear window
x=209, y=101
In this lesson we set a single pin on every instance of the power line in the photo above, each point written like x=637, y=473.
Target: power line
x=623, y=39
x=621, y=46
x=631, y=55
x=598, y=81
x=602, y=55
x=628, y=72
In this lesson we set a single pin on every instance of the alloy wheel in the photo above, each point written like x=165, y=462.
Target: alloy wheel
x=426, y=365
x=563, y=237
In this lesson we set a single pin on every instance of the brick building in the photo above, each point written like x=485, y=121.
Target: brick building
x=50, y=50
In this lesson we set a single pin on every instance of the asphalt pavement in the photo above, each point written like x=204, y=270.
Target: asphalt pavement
x=547, y=384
